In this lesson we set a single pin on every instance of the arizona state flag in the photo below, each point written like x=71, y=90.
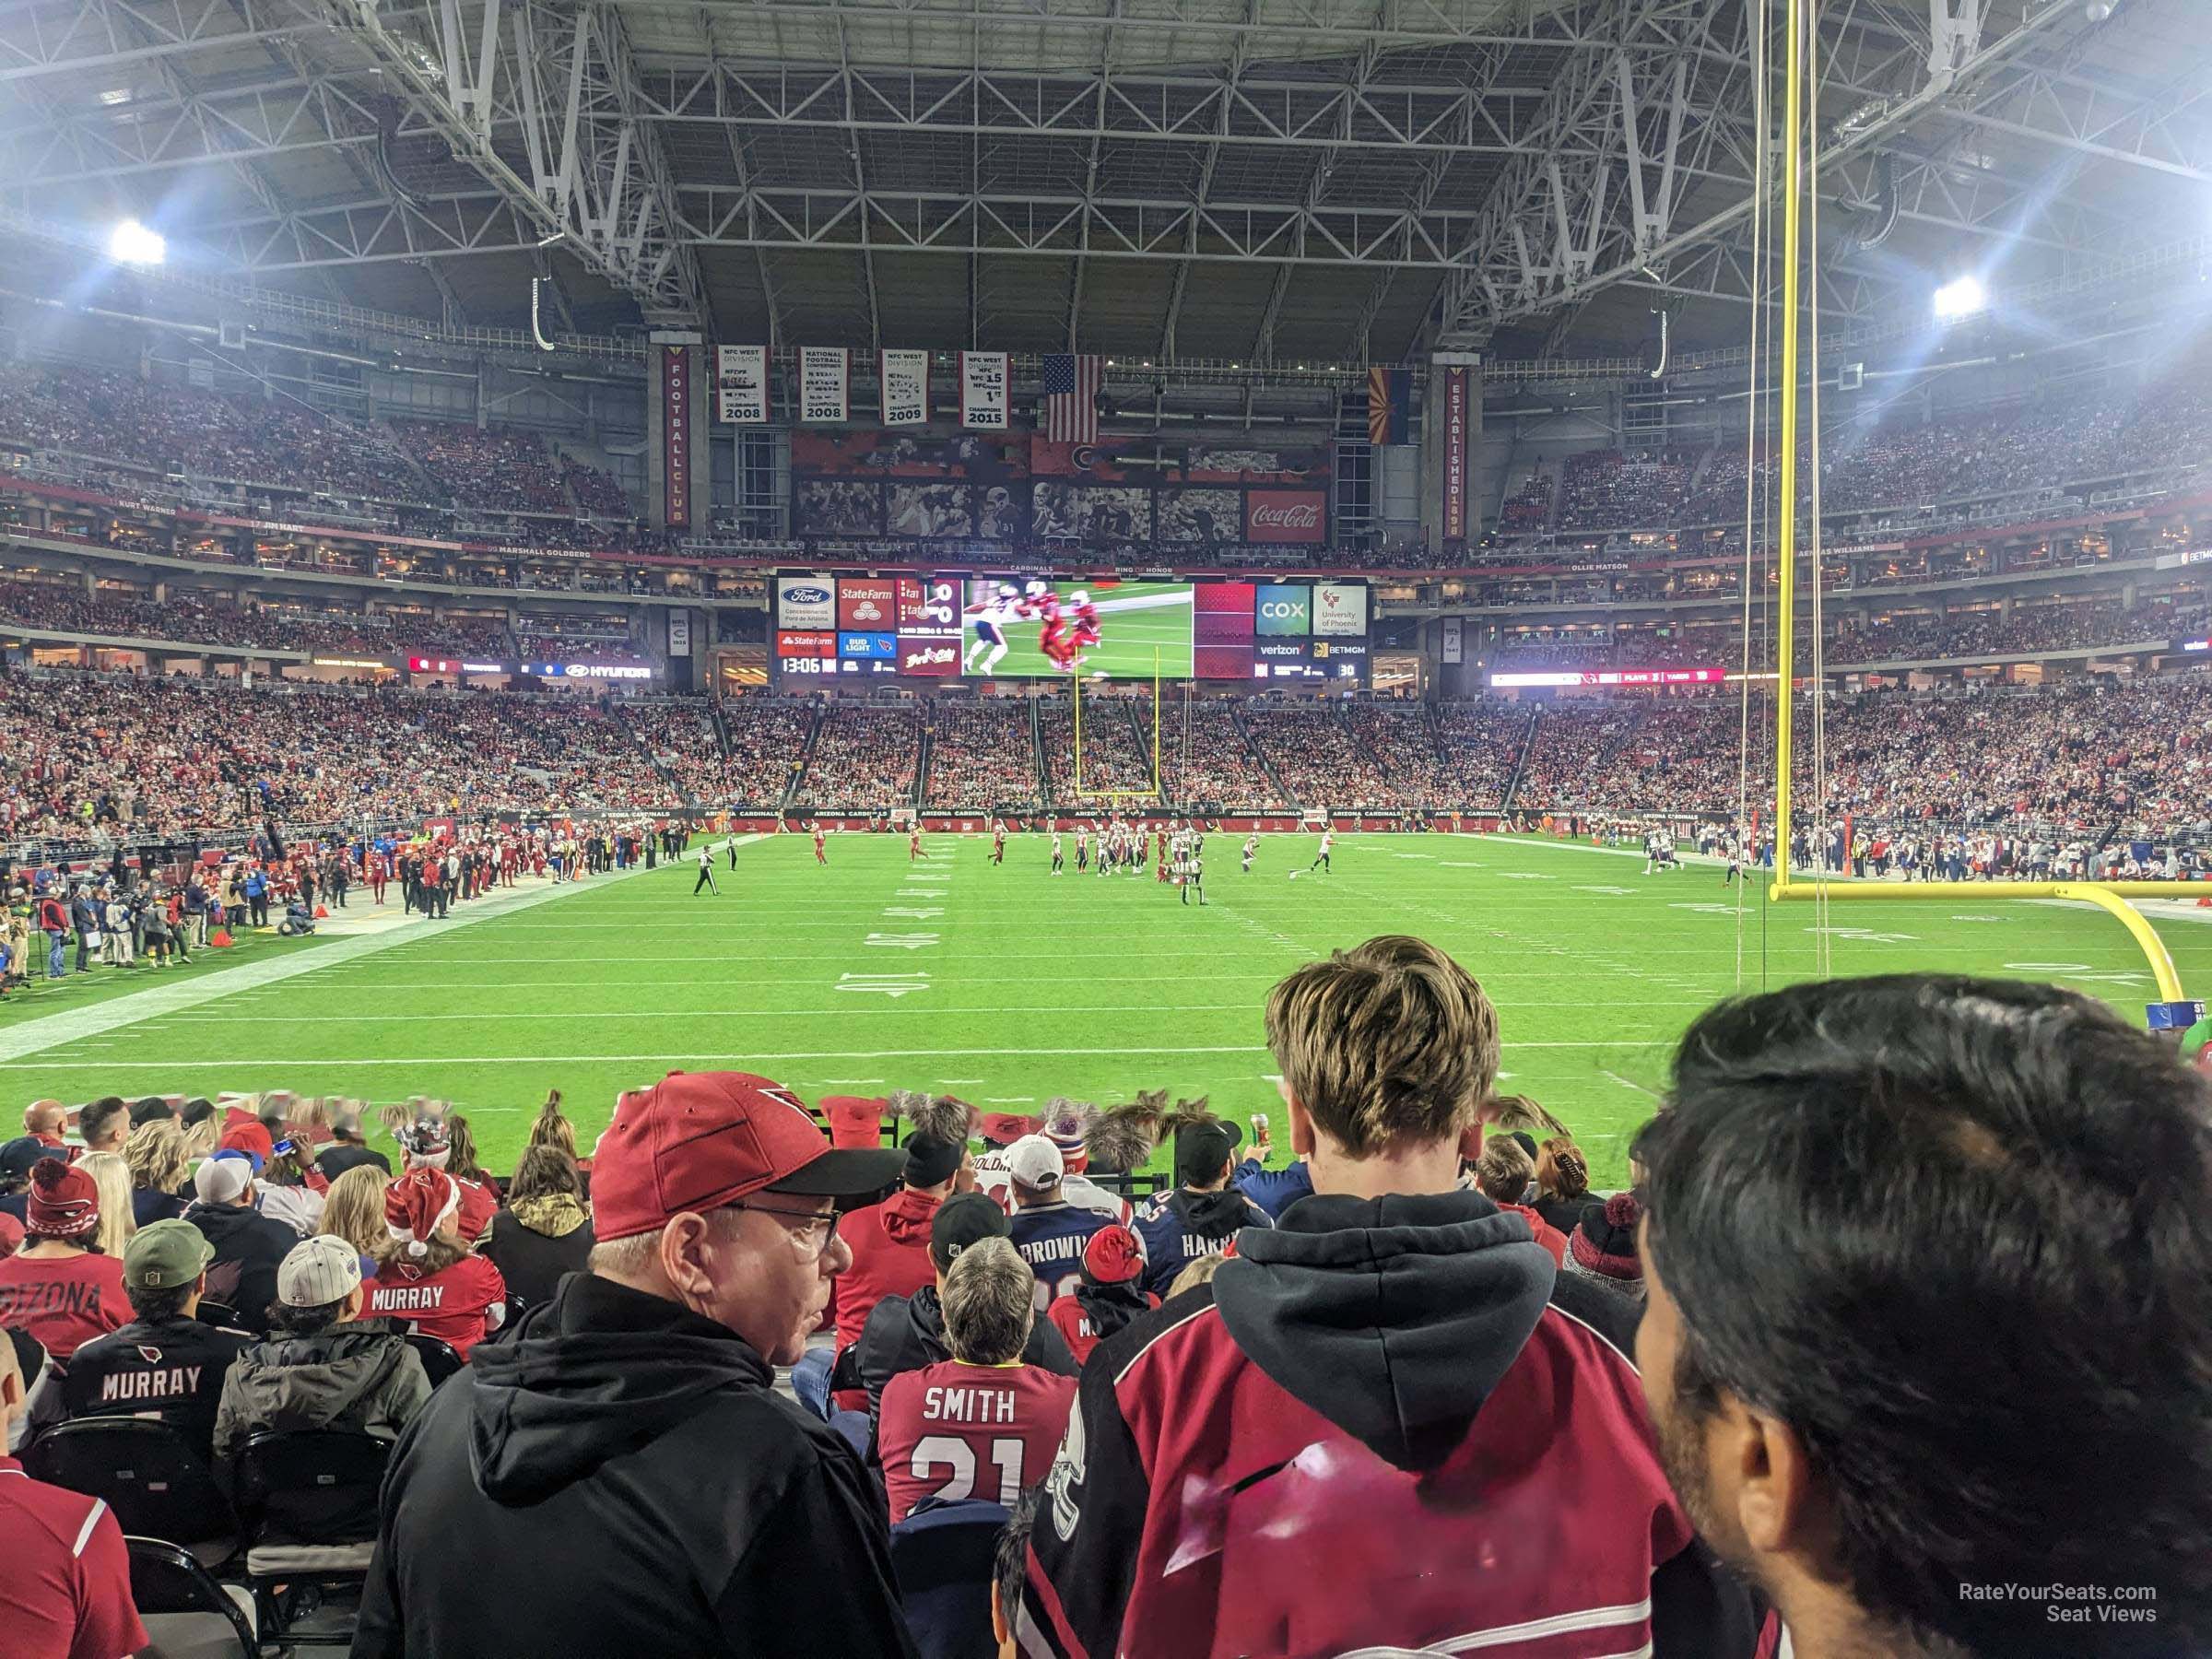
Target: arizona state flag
x=1390, y=405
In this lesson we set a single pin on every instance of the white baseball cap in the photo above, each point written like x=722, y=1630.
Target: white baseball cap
x=223, y=1178
x=1035, y=1162
x=318, y=1271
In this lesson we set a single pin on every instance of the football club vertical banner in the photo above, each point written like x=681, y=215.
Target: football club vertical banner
x=741, y=384
x=905, y=381
x=1457, y=415
x=983, y=400
x=1389, y=405
x=825, y=379
x=675, y=436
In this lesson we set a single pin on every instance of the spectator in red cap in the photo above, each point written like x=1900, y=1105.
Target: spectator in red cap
x=1109, y=1296
x=980, y=1424
x=58, y=1286
x=424, y=1275
x=622, y=1476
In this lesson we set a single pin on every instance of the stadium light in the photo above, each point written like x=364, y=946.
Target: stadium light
x=132, y=244
x=1961, y=297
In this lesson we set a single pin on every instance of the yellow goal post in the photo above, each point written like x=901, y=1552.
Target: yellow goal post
x=2112, y=896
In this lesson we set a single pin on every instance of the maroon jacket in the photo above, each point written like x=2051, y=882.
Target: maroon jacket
x=1387, y=1424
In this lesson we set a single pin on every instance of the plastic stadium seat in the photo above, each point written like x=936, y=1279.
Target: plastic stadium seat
x=440, y=1358
x=186, y=1612
x=307, y=1507
x=219, y=1313
x=942, y=1555
x=147, y=1474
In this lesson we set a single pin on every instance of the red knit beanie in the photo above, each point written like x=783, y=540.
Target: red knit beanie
x=1114, y=1256
x=63, y=1202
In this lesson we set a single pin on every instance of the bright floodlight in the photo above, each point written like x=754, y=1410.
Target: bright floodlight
x=1959, y=298
x=132, y=244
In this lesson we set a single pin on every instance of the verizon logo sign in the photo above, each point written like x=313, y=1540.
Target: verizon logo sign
x=1287, y=516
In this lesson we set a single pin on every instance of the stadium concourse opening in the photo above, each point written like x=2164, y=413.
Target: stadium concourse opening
x=781, y=786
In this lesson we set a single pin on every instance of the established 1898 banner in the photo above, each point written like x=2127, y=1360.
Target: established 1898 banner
x=823, y=374
x=983, y=391
x=675, y=436
x=741, y=384
x=905, y=381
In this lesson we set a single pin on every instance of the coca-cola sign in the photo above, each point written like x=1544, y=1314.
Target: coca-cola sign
x=1287, y=516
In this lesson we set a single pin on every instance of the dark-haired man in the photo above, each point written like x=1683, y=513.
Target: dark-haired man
x=1389, y=1409
x=1928, y=1266
x=104, y=1125
x=167, y=1362
x=1206, y=1210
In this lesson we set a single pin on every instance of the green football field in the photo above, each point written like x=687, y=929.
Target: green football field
x=1006, y=986
x=1140, y=624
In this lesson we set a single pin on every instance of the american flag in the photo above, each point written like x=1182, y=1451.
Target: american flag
x=1071, y=398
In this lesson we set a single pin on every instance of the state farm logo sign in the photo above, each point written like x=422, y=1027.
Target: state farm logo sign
x=806, y=602
x=864, y=605
x=1287, y=516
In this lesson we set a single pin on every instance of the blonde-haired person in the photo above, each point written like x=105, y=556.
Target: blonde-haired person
x=160, y=1170
x=1394, y=1339
x=354, y=1210
x=551, y=1128
x=1199, y=1270
x=118, y=1223
x=203, y=1127
x=1562, y=1184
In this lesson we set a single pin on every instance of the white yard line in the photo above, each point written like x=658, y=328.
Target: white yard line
x=117, y=1013
x=664, y=1054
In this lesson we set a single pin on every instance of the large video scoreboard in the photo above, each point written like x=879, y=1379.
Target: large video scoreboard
x=948, y=623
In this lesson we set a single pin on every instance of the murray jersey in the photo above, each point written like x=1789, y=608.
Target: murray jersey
x=953, y=1430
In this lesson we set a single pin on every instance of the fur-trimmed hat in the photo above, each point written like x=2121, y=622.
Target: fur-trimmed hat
x=417, y=1204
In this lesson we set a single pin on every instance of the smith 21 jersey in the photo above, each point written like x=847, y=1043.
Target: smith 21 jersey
x=953, y=1430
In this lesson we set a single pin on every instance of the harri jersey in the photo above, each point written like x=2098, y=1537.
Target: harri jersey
x=955, y=1431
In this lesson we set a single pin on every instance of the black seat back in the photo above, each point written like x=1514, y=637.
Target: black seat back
x=166, y=1580
x=143, y=1469
x=310, y=1485
x=440, y=1359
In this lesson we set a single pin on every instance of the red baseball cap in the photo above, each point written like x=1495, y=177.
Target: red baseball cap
x=699, y=1141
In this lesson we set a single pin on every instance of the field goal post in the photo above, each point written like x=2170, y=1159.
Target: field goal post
x=1112, y=797
x=2173, y=1012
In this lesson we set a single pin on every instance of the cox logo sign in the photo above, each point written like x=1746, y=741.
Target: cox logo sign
x=1282, y=609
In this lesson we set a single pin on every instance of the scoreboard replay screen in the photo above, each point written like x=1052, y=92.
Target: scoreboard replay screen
x=954, y=624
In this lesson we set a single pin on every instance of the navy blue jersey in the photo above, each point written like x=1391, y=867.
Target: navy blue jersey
x=1177, y=1228
x=1050, y=1238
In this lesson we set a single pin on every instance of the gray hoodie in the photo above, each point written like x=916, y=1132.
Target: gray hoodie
x=351, y=1376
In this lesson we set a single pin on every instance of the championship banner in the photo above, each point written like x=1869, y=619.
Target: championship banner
x=904, y=376
x=1457, y=416
x=741, y=384
x=679, y=631
x=675, y=436
x=983, y=400
x=825, y=377
x=1454, y=649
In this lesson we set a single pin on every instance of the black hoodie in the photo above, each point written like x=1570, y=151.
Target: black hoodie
x=1402, y=1389
x=621, y=1477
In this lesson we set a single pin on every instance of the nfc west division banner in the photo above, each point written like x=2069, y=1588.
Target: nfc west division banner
x=905, y=381
x=823, y=379
x=741, y=384
x=983, y=391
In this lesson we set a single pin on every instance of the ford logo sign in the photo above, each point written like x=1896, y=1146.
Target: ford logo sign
x=806, y=595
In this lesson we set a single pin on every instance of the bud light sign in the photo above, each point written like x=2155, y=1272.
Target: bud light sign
x=1287, y=516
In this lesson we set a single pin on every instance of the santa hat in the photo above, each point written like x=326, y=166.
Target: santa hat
x=1114, y=1256
x=417, y=1206
x=63, y=1202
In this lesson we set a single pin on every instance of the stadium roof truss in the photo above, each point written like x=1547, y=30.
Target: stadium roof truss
x=1339, y=180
